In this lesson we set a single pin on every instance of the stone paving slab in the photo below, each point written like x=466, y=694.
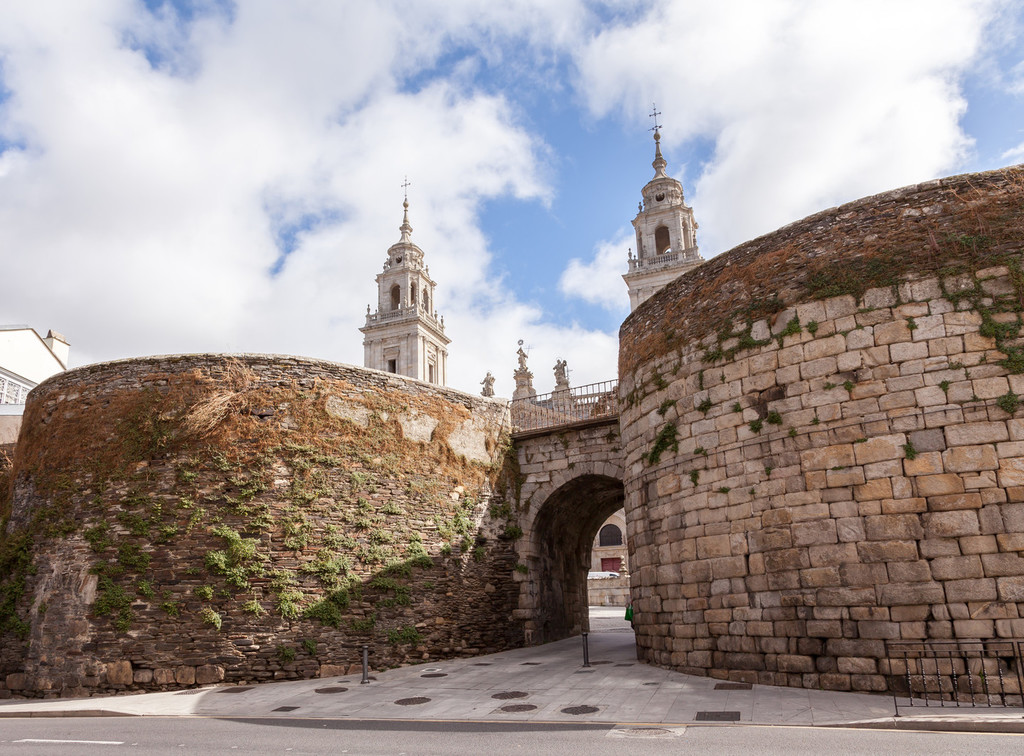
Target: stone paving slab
x=553, y=679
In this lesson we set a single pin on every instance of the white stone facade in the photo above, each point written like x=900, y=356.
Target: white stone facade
x=666, y=235
x=27, y=359
x=405, y=335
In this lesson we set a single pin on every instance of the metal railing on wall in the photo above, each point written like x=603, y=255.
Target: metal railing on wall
x=591, y=402
x=956, y=673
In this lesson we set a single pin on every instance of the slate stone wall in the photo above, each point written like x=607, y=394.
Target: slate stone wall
x=824, y=441
x=177, y=521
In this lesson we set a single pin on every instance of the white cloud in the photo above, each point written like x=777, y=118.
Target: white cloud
x=600, y=280
x=808, y=103
x=142, y=214
x=1014, y=153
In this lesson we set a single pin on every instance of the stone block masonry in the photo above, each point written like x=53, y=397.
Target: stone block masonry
x=187, y=520
x=845, y=398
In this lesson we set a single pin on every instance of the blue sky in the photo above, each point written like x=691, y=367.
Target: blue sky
x=218, y=176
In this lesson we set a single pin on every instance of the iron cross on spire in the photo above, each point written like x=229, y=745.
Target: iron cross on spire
x=405, y=188
x=654, y=114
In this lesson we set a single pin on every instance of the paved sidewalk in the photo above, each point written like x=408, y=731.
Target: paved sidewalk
x=539, y=684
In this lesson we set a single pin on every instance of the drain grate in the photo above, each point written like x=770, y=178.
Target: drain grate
x=652, y=683
x=584, y=671
x=435, y=674
x=507, y=694
x=516, y=708
x=235, y=689
x=481, y=664
x=577, y=710
x=332, y=689
x=192, y=692
x=600, y=662
x=718, y=716
x=643, y=732
x=530, y=664
x=286, y=708
x=733, y=686
x=627, y=664
x=414, y=701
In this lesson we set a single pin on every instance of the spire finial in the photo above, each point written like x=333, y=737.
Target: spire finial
x=657, y=126
x=405, y=228
x=659, y=161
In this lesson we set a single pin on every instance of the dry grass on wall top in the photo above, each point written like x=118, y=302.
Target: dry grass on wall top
x=291, y=513
x=971, y=221
x=179, y=413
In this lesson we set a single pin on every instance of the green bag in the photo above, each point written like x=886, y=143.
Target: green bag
x=629, y=612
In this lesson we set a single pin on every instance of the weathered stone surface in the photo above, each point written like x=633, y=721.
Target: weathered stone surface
x=417, y=426
x=209, y=673
x=120, y=673
x=185, y=675
x=951, y=524
x=470, y=440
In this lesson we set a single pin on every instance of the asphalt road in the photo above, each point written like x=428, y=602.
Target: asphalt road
x=171, y=735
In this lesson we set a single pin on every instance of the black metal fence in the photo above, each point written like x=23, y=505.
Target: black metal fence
x=956, y=673
x=591, y=402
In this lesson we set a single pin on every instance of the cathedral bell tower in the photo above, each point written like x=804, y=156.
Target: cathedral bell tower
x=666, y=234
x=405, y=335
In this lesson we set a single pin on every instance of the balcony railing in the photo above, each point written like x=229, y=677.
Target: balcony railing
x=592, y=402
x=669, y=257
x=404, y=313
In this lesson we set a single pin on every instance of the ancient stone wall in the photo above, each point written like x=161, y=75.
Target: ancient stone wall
x=823, y=440
x=185, y=520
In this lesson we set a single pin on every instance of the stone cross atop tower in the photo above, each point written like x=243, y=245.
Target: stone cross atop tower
x=405, y=335
x=666, y=233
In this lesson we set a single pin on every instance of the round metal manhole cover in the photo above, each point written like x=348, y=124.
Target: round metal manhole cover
x=414, y=701
x=435, y=674
x=516, y=708
x=577, y=710
x=332, y=689
x=507, y=694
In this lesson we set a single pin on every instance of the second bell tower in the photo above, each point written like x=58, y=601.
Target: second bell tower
x=405, y=335
x=666, y=234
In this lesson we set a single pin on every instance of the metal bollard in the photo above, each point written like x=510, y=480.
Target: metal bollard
x=586, y=651
x=366, y=665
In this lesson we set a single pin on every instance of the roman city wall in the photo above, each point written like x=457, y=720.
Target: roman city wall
x=176, y=521
x=823, y=434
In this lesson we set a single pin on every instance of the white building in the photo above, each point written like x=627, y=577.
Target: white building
x=26, y=360
x=405, y=335
x=666, y=235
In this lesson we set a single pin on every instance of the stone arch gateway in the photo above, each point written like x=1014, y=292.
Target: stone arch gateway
x=570, y=482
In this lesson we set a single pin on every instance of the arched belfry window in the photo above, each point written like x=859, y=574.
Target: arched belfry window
x=610, y=535
x=396, y=297
x=661, y=241
x=412, y=295
x=426, y=300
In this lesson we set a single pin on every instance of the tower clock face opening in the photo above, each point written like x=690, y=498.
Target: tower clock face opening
x=659, y=197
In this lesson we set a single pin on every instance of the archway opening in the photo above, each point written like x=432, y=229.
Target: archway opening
x=661, y=240
x=564, y=533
